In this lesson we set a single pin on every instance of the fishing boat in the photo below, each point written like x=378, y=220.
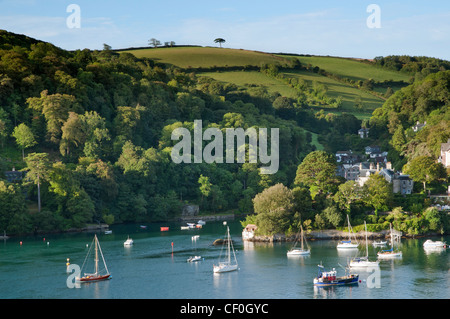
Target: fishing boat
x=98, y=274
x=128, y=242
x=299, y=251
x=227, y=264
x=429, y=244
x=391, y=253
x=359, y=262
x=348, y=244
x=330, y=278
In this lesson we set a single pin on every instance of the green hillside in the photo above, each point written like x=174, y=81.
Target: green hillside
x=360, y=86
x=200, y=57
x=353, y=69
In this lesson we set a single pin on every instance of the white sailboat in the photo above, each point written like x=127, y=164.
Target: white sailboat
x=98, y=274
x=128, y=242
x=299, y=251
x=391, y=253
x=364, y=261
x=227, y=264
x=348, y=244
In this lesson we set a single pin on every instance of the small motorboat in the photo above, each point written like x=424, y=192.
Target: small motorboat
x=429, y=244
x=164, y=228
x=379, y=243
x=201, y=222
x=128, y=242
x=194, y=258
x=107, y=232
x=330, y=278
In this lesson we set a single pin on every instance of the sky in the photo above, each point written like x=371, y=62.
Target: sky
x=320, y=27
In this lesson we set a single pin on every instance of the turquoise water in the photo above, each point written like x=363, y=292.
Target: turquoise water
x=37, y=268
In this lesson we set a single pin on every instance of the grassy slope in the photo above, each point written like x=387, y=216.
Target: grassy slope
x=194, y=57
x=187, y=57
x=353, y=69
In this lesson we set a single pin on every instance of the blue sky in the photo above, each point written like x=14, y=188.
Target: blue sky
x=310, y=27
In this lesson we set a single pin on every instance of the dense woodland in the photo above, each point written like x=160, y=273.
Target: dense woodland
x=92, y=132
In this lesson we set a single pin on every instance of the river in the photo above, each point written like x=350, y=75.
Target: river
x=36, y=269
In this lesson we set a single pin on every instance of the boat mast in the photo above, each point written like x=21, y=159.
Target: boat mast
x=367, y=247
x=301, y=229
x=349, y=235
x=228, y=238
x=96, y=255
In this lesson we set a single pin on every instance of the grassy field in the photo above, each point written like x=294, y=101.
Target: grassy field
x=241, y=79
x=204, y=57
x=195, y=57
x=336, y=88
x=353, y=69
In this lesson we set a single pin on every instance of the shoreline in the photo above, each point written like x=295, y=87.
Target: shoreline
x=328, y=234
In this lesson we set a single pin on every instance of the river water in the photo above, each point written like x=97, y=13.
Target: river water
x=148, y=269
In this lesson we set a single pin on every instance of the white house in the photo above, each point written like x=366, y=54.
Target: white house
x=445, y=154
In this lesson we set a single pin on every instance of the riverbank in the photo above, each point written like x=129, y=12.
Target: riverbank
x=328, y=234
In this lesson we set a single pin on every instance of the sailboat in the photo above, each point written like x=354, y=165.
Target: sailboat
x=348, y=244
x=364, y=261
x=299, y=251
x=391, y=253
x=228, y=264
x=97, y=275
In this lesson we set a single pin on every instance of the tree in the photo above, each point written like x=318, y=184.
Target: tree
x=318, y=172
x=377, y=193
x=205, y=186
x=274, y=207
x=24, y=137
x=347, y=194
x=38, y=167
x=424, y=169
x=220, y=41
x=154, y=42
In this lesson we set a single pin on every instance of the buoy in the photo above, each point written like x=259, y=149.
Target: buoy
x=48, y=243
x=68, y=262
x=20, y=243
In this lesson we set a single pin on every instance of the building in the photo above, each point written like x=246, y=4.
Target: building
x=13, y=176
x=445, y=154
x=347, y=157
x=419, y=126
x=249, y=232
x=363, y=132
x=372, y=149
x=402, y=184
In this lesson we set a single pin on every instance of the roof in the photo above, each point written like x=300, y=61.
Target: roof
x=445, y=146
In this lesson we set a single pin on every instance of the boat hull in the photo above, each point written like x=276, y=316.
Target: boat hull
x=94, y=278
x=347, y=246
x=339, y=281
x=363, y=263
x=298, y=252
x=434, y=244
x=224, y=268
x=389, y=255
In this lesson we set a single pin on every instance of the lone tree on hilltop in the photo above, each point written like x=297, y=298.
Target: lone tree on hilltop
x=220, y=41
x=154, y=42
